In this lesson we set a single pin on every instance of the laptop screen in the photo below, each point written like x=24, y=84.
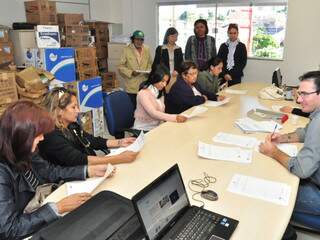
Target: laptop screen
x=161, y=201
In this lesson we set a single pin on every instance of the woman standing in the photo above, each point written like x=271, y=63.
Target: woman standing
x=150, y=101
x=22, y=126
x=200, y=47
x=234, y=56
x=68, y=144
x=169, y=54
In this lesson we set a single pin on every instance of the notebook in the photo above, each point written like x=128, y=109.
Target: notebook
x=164, y=211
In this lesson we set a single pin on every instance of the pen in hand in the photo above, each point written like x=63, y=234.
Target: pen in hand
x=274, y=130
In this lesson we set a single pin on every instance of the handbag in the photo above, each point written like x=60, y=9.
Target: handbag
x=42, y=191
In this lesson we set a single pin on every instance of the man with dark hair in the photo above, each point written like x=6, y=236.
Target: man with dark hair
x=306, y=165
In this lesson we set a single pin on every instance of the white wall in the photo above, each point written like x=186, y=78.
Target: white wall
x=301, y=45
x=106, y=10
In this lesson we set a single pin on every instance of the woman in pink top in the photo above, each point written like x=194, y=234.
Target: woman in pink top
x=150, y=101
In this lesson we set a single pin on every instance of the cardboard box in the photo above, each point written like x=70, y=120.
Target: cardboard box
x=75, y=30
x=4, y=34
x=86, y=121
x=48, y=36
x=115, y=50
x=88, y=73
x=102, y=52
x=6, y=52
x=8, y=90
x=109, y=81
x=33, y=80
x=76, y=41
x=60, y=62
x=85, y=53
x=102, y=64
x=69, y=18
x=85, y=64
x=41, y=12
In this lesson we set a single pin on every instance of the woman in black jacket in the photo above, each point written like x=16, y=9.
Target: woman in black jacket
x=22, y=126
x=68, y=144
x=186, y=92
x=234, y=56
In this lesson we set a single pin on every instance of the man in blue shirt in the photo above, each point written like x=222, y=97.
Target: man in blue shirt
x=306, y=165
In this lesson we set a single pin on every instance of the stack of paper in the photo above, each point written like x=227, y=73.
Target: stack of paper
x=239, y=92
x=289, y=149
x=88, y=185
x=238, y=140
x=134, y=147
x=196, y=111
x=234, y=154
x=217, y=103
x=266, y=190
x=250, y=125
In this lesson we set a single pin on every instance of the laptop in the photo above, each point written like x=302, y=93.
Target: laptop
x=164, y=211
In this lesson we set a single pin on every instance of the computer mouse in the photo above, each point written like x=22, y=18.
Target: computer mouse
x=209, y=195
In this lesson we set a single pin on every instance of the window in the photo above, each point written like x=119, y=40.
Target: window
x=261, y=27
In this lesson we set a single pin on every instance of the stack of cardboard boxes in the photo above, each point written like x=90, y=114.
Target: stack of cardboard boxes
x=33, y=83
x=42, y=12
x=6, y=47
x=100, y=32
x=86, y=62
x=73, y=32
x=8, y=90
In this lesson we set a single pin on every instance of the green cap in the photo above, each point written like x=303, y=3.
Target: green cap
x=138, y=34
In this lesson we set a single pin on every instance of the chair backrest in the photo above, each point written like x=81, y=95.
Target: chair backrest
x=118, y=111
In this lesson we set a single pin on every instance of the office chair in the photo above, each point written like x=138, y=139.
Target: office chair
x=119, y=114
x=306, y=222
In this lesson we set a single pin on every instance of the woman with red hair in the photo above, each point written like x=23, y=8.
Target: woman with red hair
x=22, y=126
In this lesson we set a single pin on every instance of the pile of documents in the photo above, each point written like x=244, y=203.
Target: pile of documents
x=250, y=125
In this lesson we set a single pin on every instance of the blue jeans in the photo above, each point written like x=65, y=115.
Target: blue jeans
x=308, y=198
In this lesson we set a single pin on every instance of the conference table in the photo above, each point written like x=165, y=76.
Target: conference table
x=172, y=143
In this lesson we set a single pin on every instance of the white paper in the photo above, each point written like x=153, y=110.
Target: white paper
x=289, y=149
x=276, y=108
x=142, y=71
x=271, y=191
x=196, y=111
x=89, y=184
x=233, y=154
x=250, y=125
x=233, y=91
x=136, y=146
x=238, y=140
x=217, y=103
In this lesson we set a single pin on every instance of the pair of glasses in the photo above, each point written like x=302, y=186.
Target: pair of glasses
x=304, y=94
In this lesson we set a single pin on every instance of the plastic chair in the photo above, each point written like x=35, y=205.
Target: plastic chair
x=119, y=114
x=306, y=222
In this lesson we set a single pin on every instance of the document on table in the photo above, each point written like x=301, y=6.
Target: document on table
x=289, y=149
x=136, y=146
x=233, y=91
x=89, y=184
x=238, y=140
x=233, y=154
x=271, y=191
x=250, y=125
x=217, y=103
x=196, y=111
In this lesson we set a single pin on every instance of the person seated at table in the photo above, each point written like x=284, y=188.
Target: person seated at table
x=22, y=126
x=186, y=92
x=209, y=80
x=68, y=144
x=150, y=101
x=306, y=165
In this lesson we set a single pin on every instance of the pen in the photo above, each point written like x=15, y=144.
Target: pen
x=274, y=130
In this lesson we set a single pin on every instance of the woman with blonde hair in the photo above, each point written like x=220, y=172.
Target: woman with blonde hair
x=68, y=144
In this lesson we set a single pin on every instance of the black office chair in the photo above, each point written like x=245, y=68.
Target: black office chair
x=306, y=222
x=119, y=114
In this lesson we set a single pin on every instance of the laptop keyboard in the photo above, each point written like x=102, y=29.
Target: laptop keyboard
x=200, y=226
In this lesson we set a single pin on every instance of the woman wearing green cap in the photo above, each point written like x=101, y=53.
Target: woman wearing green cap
x=134, y=64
